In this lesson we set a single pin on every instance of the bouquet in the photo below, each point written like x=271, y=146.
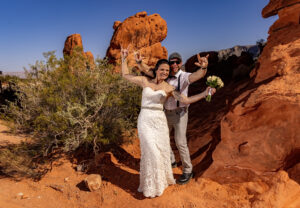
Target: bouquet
x=214, y=82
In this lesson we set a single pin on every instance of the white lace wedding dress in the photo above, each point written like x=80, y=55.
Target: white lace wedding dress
x=155, y=166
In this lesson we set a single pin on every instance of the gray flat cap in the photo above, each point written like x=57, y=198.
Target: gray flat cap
x=175, y=55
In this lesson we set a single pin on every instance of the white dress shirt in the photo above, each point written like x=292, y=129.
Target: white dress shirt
x=171, y=102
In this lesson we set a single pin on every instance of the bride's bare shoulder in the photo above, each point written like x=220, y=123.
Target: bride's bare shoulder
x=147, y=81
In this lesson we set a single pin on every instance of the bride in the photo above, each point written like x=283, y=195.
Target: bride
x=155, y=165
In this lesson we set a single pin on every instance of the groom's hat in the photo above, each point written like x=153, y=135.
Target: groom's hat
x=175, y=55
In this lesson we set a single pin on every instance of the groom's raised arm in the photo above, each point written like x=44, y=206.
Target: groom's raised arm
x=145, y=68
x=202, y=63
x=142, y=66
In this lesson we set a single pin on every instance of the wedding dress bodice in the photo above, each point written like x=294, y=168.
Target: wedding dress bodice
x=153, y=99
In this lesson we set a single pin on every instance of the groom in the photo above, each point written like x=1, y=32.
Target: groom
x=176, y=112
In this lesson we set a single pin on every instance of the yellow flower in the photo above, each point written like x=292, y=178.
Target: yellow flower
x=212, y=80
x=209, y=79
x=219, y=81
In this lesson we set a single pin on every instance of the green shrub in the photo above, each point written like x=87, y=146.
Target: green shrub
x=65, y=105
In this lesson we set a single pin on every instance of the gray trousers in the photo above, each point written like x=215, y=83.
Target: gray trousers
x=178, y=119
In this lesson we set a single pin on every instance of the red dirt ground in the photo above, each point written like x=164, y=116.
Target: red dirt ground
x=63, y=187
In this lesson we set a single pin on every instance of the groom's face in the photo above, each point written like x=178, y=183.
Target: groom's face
x=175, y=65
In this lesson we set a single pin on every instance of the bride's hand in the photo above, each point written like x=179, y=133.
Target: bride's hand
x=124, y=53
x=212, y=91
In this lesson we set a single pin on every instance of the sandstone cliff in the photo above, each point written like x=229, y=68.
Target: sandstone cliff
x=260, y=134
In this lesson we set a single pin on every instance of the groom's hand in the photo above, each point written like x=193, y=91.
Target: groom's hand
x=138, y=57
x=202, y=61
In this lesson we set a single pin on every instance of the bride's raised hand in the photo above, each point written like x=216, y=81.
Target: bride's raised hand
x=124, y=53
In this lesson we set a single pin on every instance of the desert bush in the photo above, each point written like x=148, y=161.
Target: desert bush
x=7, y=93
x=66, y=106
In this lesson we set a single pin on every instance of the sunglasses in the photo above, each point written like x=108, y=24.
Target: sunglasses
x=173, y=62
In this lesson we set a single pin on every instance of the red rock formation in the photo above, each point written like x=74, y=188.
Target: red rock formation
x=260, y=134
x=281, y=54
x=116, y=24
x=141, y=32
x=277, y=191
x=91, y=60
x=75, y=41
x=71, y=42
x=276, y=5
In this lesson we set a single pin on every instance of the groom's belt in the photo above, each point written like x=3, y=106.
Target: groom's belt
x=177, y=110
x=152, y=108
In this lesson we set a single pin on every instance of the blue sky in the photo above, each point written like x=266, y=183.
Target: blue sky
x=30, y=27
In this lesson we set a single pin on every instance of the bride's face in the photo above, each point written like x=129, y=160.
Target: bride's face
x=163, y=71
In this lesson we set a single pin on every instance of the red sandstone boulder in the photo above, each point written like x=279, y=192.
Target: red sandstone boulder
x=281, y=54
x=93, y=182
x=90, y=60
x=116, y=24
x=260, y=134
x=75, y=42
x=276, y=5
x=71, y=42
x=141, y=32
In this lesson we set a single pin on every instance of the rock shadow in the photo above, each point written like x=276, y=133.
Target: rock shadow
x=114, y=174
